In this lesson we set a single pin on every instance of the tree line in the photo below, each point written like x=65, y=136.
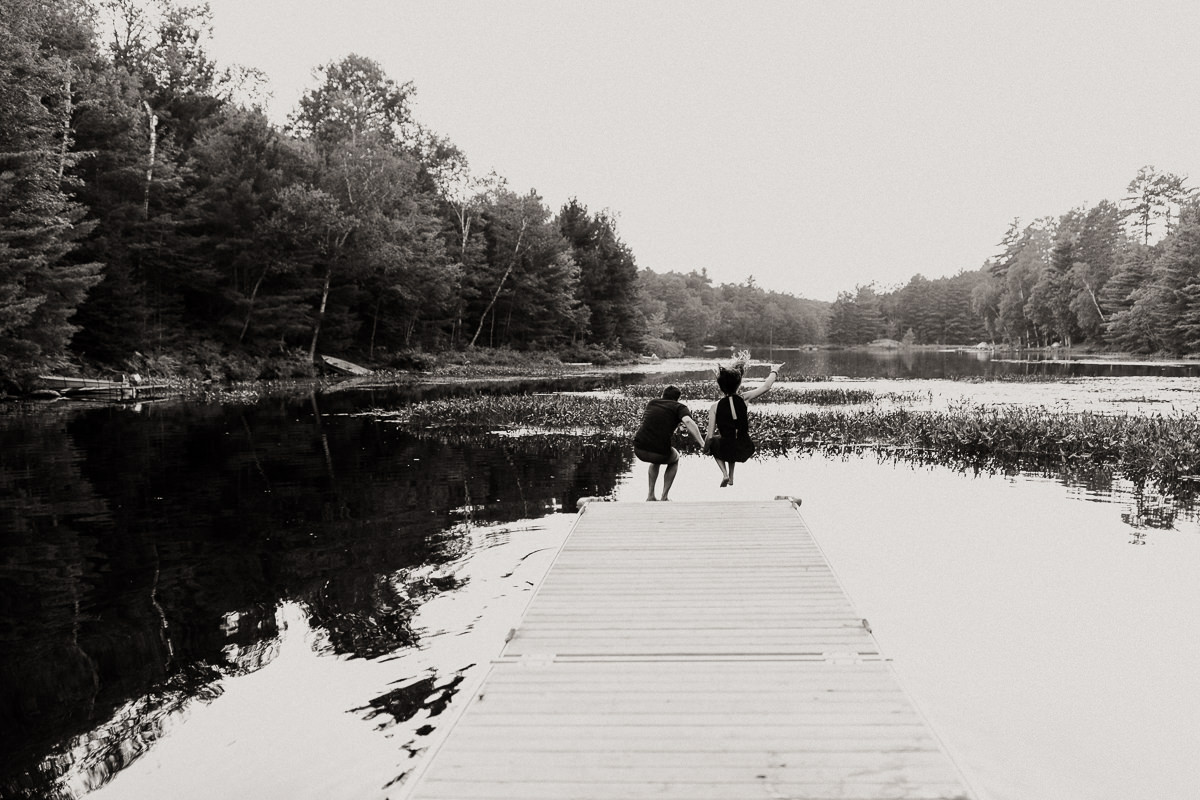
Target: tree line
x=151, y=213
x=1122, y=275
x=150, y=210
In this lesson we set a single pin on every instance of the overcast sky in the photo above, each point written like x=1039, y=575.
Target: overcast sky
x=812, y=145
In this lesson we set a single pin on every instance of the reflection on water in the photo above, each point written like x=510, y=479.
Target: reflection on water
x=400, y=705
x=958, y=364
x=148, y=558
x=143, y=555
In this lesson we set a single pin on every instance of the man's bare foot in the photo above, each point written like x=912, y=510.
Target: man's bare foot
x=651, y=499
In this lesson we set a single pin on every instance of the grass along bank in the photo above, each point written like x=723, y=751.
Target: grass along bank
x=696, y=392
x=1159, y=450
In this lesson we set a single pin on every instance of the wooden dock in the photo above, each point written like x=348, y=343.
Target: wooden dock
x=693, y=651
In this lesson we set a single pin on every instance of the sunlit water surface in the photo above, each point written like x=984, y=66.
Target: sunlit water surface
x=305, y=597
x=1053, y=655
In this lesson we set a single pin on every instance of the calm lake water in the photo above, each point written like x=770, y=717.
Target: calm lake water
x=282, y=598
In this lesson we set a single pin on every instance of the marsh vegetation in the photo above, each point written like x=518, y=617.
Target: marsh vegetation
x=1159, y=451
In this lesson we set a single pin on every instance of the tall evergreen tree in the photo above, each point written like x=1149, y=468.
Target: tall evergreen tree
x=1129, y=327
x=1094, y=260
x=607, y=275
x=42, y=281
x=1153, y=200
x=149, y=102
x=528, y=295
x=1049, y=303
x=1176, y=273
x=238, y=169
x=1026, y=259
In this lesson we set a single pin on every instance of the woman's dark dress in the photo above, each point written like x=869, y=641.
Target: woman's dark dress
x=736, y=444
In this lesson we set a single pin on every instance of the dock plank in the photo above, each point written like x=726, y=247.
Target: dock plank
x=689, y=650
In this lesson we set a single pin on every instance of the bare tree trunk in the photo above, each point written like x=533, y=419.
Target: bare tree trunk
x=152, y=119
x=1094, y=301
x=374, y=328
x=312, y=349
x=332, y=249
x=250, y=309
x=511, y=263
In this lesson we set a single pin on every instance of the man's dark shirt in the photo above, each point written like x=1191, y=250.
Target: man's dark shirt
x=659, y=422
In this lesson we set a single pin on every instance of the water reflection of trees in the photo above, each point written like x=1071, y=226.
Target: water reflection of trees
x=142, y=556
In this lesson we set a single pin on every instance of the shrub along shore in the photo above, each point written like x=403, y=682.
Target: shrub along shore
x=1156, y=451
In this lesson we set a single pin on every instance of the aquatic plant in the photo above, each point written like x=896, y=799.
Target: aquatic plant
x=696, y=391
x=491, y=412
x=1003, y=377
x=1161, y=449
x=1164, y=449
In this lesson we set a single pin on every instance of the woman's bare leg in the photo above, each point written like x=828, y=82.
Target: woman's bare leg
x=721, y=466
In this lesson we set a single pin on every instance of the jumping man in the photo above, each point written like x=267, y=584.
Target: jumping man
x=652, y=443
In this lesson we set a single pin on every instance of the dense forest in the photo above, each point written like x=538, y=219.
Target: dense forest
x=1119, y=275
x=153, y=218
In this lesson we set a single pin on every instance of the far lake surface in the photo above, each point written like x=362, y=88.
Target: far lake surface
x=280, y=598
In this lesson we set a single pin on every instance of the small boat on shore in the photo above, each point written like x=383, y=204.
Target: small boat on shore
x=344, y=367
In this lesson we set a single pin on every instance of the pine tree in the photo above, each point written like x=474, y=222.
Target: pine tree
x=41, y=284
x=608, y=275
x=1175, y=275
x=1129, y=326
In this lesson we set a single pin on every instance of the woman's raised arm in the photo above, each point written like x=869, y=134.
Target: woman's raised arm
x=766, y=385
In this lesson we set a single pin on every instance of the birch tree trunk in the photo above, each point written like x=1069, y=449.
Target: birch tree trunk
x=374, y=328
x=312, y=349
x=1096, y=303
x=66, y=123
x=250, y=308
x=333, y=250
x=152, y=119
x=511, y=263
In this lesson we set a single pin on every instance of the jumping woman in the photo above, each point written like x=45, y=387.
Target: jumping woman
x=728, y=420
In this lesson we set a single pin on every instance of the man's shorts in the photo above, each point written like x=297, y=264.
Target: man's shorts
x=656, y=458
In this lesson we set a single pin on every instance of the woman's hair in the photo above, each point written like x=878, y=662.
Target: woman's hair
x=729, y=378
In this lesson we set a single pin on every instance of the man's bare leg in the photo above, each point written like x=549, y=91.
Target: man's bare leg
x=669, y=475
x=653, y=472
